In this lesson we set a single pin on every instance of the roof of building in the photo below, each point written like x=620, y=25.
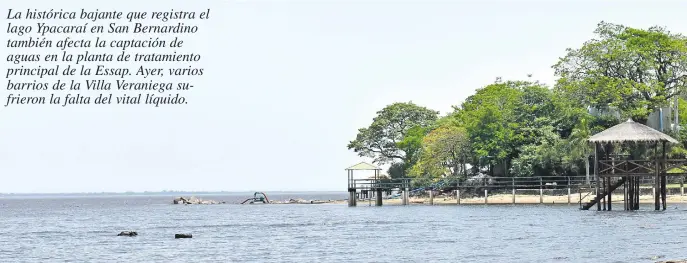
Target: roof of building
x=631, y=131
x=363, y=166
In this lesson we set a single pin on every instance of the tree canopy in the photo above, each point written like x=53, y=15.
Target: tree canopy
x=633, y=70
x=529, y=128
x=390, y=136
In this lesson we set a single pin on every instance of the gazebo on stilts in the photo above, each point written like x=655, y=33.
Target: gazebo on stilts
x=647, y=158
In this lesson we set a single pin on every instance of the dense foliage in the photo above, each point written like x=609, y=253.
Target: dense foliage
x=525, y=128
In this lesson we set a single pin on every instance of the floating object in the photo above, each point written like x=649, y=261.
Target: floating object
x=258, y=198
x=183, y=236
x=128, y=234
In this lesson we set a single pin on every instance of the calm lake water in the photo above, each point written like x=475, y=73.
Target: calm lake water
x=84, y=229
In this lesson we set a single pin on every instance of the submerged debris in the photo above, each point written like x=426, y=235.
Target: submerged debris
x=302, y=201
x=127, y=234
x=195, y=201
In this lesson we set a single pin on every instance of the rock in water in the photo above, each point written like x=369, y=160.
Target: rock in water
x=183, y=236
x=195, y=201
x=180, y=200
x=128, y=234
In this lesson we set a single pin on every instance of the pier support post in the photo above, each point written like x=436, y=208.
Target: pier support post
x=541, y=191
x=682, y=187
x=458, y=196
x=625, y=195
x=664, y=165
x=568, y=194
x=513, y=190
x=351, y=197
x=610, y=184
x=586, y=163
x=431, y=196
x=378, y=195
x=653, y=191
x=604, y=190
x=657, y=183
x=513, y=195
x=405, y=196
x=486, y=196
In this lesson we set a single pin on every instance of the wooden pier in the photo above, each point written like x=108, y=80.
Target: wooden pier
x=623, y=154
x=375, y=185
x=626, y=157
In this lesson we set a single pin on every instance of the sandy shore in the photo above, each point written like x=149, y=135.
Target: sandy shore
x=519, y=199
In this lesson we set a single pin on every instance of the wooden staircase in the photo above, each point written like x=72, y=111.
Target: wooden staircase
x=599, y=197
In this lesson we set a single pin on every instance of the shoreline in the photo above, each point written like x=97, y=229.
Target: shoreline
x=519, y=199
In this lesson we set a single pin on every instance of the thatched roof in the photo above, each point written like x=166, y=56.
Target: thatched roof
x=631, y=131
x=363, y=166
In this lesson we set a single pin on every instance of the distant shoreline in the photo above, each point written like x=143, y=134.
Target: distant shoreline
x=171, y=193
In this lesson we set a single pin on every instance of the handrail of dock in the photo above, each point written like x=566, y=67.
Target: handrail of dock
x=406, y=187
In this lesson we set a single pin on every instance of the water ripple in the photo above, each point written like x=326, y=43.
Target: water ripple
x=84, y=230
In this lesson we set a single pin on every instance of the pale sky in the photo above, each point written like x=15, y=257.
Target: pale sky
x=286, y=86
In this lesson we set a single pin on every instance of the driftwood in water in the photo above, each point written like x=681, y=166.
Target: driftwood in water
x=183, y=236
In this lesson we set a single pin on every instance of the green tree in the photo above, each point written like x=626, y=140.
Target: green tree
x=488, y=117
x=633, y=70
x=502, y=117
x=393, y=134
x=446, y=151
x=544, y=157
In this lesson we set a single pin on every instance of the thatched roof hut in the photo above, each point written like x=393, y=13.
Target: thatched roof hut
x=631, y=131
x=363, y=166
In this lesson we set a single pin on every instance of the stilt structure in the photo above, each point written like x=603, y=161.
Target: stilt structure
x=375, y=186
x=647, y=158
x=353, y=186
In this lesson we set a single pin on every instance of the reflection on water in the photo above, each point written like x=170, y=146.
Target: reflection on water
x=84, y=229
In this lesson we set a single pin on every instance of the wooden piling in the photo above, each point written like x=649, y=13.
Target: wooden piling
x=682, y=186
x=653, y=190
x=378, y=195
x=664, y=166
x=625, y=196
x=664, y=191
x=351, y=197
x=596, y=175
x=603, y=199
x=568, y=194
x=514, y=190
x=579, y=196
x=486, y=196
x=630, y=193
x=657, y=183
x=610, y=194
x=458, y=196
x=638, y=192
x=609, y=191
x=431, y=196
x=541, y=191
x=513, y=195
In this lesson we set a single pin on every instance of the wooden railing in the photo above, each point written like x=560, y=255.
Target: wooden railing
x=641, y=167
